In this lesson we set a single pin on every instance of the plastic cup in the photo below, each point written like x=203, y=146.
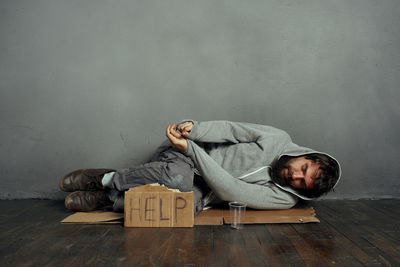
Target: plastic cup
x=237, y=211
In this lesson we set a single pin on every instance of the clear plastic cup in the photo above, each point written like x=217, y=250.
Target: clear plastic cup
x=237, y=211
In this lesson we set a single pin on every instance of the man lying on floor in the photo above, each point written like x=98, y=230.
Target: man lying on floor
x=220, y=161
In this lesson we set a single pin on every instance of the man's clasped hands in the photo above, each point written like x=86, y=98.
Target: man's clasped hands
x=178, y=139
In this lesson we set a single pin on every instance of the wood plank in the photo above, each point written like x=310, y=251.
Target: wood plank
x=221, y=252
x=307, y=252
x=272, y=249
x=252, y=246
x=352, y=228
x=290, y=253
x=203, y=241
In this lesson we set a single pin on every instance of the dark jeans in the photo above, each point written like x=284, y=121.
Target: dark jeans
x=170, y=168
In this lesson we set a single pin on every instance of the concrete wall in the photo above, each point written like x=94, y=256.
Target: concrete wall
x=95, y=83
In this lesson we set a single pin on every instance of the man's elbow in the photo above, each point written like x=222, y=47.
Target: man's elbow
x=290, y=202
x=282, y=204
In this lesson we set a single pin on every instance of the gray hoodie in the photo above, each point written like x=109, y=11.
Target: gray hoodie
x=234, y=159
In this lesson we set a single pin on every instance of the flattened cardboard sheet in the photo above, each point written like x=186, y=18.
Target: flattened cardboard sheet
x=95, y=217
x=297, y=214
x=301, y=213
x=210, y=217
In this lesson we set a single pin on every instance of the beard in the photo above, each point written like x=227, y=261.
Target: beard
x=278, y=168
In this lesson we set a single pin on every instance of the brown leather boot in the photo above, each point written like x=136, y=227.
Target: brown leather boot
x=83, y=180
x=87, y=201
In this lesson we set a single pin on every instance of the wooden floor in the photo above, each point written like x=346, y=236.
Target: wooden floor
x=351, y=233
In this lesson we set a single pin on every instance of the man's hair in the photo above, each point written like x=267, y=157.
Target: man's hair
x=328, y=178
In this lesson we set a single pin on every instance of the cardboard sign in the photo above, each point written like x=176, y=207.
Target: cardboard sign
x=154, y=205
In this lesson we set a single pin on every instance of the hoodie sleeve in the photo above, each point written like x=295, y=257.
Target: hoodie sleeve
x=234, y=132
x=228, y=188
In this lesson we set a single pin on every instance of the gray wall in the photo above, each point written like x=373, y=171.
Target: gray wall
x=95, y=83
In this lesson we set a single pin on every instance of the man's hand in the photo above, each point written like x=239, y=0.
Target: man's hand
x=177, y=140
x=185, y=128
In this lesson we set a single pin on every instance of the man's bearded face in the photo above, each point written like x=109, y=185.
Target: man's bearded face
x=297, y=172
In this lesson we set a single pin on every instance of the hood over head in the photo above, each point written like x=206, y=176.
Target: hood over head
x=295, y=150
